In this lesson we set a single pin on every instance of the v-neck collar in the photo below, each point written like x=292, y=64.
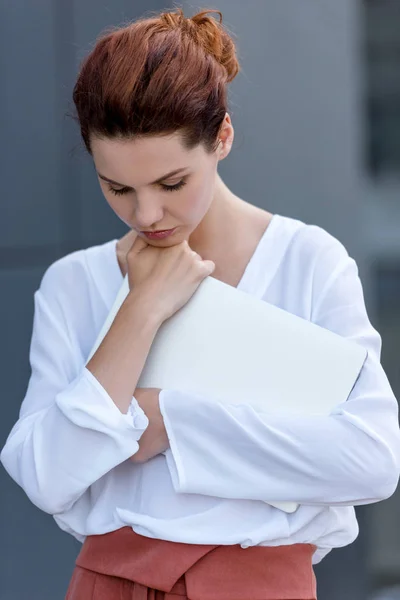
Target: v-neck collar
x=246, y=283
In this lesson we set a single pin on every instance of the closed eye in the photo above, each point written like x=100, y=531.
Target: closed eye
x=164, y=187
x=120, y=191
x=172, y=188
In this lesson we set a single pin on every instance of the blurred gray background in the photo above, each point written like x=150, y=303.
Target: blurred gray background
x=316, y=112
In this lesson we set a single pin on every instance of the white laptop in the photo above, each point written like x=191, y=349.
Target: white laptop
x=235, y=348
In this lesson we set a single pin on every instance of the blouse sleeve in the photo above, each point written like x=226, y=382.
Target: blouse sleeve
x=350, y=457
x=69, y=432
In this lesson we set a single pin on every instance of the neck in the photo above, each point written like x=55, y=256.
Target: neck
x=223, y=214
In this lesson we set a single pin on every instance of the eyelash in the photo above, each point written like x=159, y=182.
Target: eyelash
x=166, y=188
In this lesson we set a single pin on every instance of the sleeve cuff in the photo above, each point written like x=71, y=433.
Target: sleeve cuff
x=137, y=414
x=172, y=455
x=92, y=407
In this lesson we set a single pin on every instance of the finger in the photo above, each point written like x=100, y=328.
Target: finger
x=209, y=265
x=196, y=255
x=138, y=245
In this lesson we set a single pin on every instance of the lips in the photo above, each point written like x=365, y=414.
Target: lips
x=158, y=235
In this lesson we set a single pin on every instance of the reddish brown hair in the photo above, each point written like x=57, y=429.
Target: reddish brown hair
x=155, y=76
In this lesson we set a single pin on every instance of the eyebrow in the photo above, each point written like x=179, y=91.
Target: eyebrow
x=175, y=172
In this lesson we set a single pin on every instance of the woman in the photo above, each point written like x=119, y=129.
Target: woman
x=166, y=489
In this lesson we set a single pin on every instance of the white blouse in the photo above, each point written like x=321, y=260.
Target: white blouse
x=69, y=449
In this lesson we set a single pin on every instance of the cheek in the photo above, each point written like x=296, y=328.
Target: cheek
x=121, y=206
x=198, y=200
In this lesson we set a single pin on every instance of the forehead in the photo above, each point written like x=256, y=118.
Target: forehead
x=143, y=159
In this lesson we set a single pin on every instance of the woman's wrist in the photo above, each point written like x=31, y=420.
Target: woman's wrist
x=145, y=307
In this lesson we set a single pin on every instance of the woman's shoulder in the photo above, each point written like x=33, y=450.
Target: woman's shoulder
x=77, y=291
x=306, y=261
x=314, y=271
x=306, y=244
x=77, y=272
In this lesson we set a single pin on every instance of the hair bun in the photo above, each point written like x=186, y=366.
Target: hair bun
x=217, y=41
x=210, y=34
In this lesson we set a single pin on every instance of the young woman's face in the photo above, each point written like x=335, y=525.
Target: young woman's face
x=135, y=178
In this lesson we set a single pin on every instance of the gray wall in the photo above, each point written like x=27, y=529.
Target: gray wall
x=51, y=205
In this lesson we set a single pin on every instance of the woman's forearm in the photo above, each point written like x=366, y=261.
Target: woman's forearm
x=119, y=360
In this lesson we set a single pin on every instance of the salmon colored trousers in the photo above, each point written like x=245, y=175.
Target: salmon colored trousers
x=123, y=565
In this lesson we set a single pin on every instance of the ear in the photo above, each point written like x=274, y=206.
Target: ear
x=226, y=136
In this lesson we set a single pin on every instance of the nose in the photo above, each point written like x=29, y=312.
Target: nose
x=149, y=212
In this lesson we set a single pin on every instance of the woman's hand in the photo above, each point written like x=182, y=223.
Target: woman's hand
x=165, y=278
x=154, y=440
